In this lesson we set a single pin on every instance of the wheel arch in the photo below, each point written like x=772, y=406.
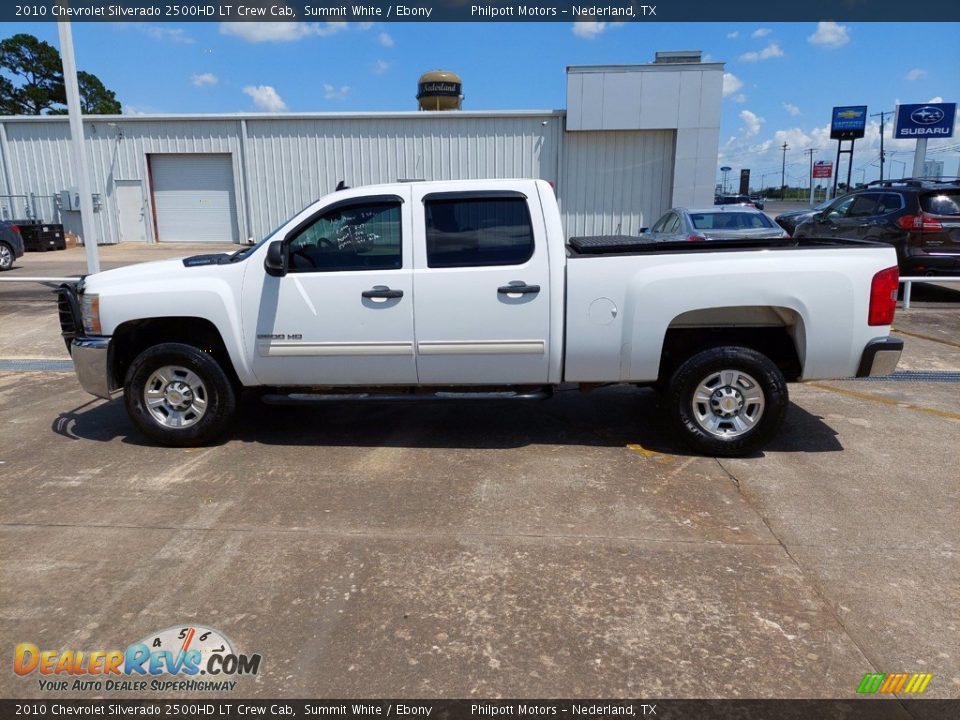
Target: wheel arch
x=134, y=336
x=777, y=332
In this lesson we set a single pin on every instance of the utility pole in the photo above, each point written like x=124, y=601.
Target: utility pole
x=783, y=172
x=882, y=116
x=810, y=152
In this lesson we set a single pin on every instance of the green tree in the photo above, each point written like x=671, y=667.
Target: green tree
x=32, y=83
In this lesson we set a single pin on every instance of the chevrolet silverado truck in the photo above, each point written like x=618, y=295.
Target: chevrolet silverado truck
x=470, y=289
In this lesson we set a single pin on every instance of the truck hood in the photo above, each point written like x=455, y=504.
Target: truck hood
x=174, y=269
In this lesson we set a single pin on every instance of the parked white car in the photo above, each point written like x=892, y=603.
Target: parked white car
x=469, y=289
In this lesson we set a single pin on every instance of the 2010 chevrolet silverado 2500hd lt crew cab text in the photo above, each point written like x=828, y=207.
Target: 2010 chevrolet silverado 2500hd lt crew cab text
x=469, y=289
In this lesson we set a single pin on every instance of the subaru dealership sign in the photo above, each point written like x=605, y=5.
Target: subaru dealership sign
x=925, y=121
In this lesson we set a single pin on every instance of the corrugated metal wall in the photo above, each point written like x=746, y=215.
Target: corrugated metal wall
x=616, y=182
x=608, y=179
x=292, y=162
x=39, y=159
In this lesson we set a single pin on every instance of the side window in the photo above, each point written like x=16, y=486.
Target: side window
x=889, y=202
x=474, y=232
x=839, y=209
x=359, y=237
x=661, y=223
x=673, y=222
x=863, y=206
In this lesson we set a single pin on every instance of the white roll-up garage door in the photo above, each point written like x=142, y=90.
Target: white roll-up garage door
x=193, y=198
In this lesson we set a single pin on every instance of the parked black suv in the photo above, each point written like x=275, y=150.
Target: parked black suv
x=920, y=218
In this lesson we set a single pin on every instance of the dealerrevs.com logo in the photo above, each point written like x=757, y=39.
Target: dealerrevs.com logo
x=185, y=658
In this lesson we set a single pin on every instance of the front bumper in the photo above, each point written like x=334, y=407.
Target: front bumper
x=91, y=360
x=91, y=355
x=880, y=356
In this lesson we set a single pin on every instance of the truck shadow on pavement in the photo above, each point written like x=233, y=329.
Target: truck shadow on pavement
x=610, y=417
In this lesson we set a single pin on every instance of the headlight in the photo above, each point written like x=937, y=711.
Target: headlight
x=90, y=313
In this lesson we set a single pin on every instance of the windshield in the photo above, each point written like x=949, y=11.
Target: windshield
x=730, y=221
x=246, y=252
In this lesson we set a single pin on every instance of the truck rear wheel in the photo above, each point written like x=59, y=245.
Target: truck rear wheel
x=178, y=395
x=727, y=401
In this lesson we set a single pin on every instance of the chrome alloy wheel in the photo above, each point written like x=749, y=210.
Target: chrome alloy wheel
x=728, y=403
x=175, y=397
x=6, y=257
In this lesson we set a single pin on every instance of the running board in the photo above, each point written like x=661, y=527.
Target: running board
x=439, y=396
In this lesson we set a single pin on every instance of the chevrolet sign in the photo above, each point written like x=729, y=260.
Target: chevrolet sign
x=925, y=121
x=848, y=123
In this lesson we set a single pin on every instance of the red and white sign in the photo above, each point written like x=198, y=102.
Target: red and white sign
x=823, y=169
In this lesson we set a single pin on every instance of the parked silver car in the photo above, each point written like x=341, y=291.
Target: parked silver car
x=721, y=222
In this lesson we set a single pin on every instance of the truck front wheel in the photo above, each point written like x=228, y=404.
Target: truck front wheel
x=178, y=395
x=727, y=401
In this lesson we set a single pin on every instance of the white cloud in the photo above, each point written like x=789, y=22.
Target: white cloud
x=133, y=110
x=935, y=99
x=176, y=35
x=791, y=108
x=916, y=74
x=751, y=123
x=761, y=32
x=740, y=98
x=335, y=93
x=380, y=67
x=830, y=34
x=731, y=83
x=280, y=31
x=204, y=79
x=265, y=97
x=733, y=35
x=385, y=39
x=590, y=29
x=772, y=50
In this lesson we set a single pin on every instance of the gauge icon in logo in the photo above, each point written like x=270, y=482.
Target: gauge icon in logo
x=927, y=115
x=184, y=638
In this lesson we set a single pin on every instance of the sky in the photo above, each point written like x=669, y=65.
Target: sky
x=780, y=82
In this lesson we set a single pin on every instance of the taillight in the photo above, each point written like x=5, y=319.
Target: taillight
x=695, y=238
x=922, y=222
x=15, y=228
x=883, y=296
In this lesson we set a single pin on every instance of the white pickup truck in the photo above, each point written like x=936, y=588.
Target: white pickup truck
x=470, y=289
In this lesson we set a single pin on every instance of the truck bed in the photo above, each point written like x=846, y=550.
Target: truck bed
x=605, y=245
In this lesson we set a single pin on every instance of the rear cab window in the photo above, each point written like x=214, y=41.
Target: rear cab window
x=478, y=231
x=942, y=202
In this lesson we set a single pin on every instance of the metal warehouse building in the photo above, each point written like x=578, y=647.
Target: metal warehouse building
x=633, y=141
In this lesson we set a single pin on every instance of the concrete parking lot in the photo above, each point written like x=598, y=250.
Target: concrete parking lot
x=555, y=549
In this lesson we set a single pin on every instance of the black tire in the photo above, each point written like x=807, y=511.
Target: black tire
x=729, y=406
x=214, y=390
x=6, y=257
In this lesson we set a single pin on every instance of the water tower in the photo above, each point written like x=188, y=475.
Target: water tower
x=440, y=90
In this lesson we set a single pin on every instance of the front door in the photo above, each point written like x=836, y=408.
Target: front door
x=130, y=210
x=482, y=289
x=343, y=313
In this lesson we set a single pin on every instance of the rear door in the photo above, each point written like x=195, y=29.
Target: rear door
x=481, y=288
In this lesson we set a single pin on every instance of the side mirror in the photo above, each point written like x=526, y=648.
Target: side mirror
x=276, y=262
x=643, y=230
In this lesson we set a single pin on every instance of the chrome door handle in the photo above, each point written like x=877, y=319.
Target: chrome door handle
x=523, y=289
x=382, y=292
